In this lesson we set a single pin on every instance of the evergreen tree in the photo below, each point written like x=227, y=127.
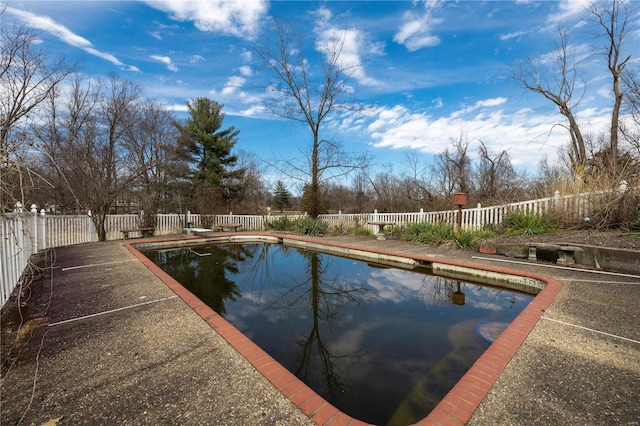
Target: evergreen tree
x=207, y=147
x=281, y=196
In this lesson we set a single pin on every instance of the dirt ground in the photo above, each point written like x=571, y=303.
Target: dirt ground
x=610, y=238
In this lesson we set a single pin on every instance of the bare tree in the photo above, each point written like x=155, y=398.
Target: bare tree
x=27, y=76
x=70, y=121
x=385, y=188
x=362, y=197
x=151, y=141
x=612, y=18
x=338, y=197
x=631, y=132
x=414, y=184
x=87, y=144
x=253, y=195
x=452, y=169
x=560, y=82
x=391, y=192
x=496, y=175
x=558, y=87
x=301, y=94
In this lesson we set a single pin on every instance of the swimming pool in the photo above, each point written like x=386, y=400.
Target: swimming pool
x=382, y=344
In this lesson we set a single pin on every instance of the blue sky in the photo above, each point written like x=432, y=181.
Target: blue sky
x=428, y=71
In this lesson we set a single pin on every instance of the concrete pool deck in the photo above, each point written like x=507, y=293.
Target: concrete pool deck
x=103, y=340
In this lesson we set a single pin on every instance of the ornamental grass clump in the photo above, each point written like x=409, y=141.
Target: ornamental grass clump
x=282, y=223
x=428, y=233
x=528, y=224
x=310, y=227
x=442, y=233
x=362, y=232
x=467, y=238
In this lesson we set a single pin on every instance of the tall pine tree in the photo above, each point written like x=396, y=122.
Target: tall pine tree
x=207, y=147
x=281, y=196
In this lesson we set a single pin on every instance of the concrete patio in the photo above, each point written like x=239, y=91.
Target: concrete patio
x=98, y=338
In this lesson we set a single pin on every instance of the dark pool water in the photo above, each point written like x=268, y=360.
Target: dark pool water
x=383, y=345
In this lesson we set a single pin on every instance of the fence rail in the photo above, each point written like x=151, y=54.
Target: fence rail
x=27, y=233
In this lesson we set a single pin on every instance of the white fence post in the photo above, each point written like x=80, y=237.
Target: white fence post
x=33, y=228
x=42, y=231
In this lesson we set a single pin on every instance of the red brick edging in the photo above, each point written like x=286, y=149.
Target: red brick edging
x=456, y=408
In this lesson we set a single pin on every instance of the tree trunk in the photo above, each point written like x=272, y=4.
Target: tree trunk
x=314, y=209
x=615, y=117
x=579, y=150
x=99, y=219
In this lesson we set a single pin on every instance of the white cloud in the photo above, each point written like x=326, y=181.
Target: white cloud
x=233, y=84
x=604, y=92
x=246, y=70
x=195, y=59
x=575, y=53
x=509, y=36
x=568, y=9
x=351, y=340
x=177, y=107
x=246, y=55
x=417, y=30
x=257, y=111
x=491, y=13
x=354, y=44
x=46, y=24
x=397, y=285
x=487, y=103
x=526, y=134
x=165, y=60
x=235, y=18
x=232, y=93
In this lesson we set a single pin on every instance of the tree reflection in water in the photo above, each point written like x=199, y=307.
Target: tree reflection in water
x=326, y=301
x=206, y=271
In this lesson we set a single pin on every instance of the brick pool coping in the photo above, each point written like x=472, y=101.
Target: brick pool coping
x=456, y=408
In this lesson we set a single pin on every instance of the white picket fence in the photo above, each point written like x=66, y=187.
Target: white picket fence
x=26, y=233
x=23, y=234
x=15, y=250
x=575, y=208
